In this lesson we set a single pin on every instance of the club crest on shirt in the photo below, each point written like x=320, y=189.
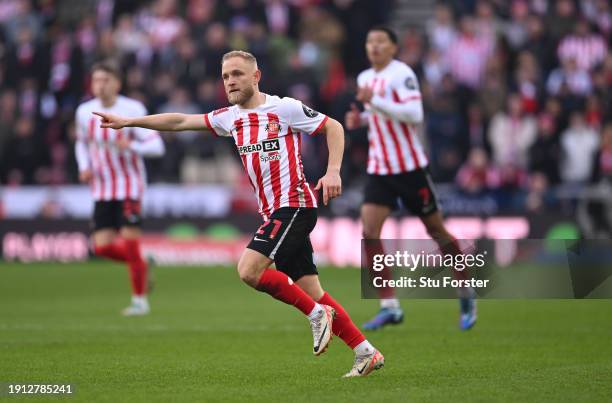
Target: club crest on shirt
x=311, y=113
x=273, y=127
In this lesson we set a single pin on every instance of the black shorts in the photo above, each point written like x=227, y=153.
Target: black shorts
x=115, y=214
x=414, y=189
x=285, y=238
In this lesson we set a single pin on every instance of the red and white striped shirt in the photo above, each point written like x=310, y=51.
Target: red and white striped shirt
x=116, y=175
x=393, y=115
x=269, y=143
x=588, y=50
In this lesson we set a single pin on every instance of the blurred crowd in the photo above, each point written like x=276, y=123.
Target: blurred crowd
x=518, y=96
x=517, y=92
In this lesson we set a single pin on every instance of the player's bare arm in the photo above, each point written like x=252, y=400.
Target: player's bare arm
x=331, y=183
x=167, y=122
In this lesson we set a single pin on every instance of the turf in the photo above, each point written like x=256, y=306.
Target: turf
x=211, y=338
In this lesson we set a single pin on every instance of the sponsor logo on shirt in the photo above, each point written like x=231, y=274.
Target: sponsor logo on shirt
x=266, y=146
x=275, y=156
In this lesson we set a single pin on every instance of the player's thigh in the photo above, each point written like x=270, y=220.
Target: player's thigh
x=311, y=285
x=130, y=232
x=373, y=217
x=103, y=237
x=251, y=265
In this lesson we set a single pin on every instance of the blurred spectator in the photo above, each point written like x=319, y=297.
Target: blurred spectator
x=538, y=196
x=593, y=114
x=447, y=138
x=212, y=48
x=131, y=40
x=163, y=25
x=561, y=21
x=19, y=18
x=468, y=54
x=599, y=12
x=544, y=153
x=569, y=79
x=477, y=175
x=511, y=133
x=476, y=127
x=441, y=30
x=493, y=95
x=24, y=157
x=603, y=160
x=579, y=144
x=527, y=81
x=516, y=30
x=540, y=43
x=586, y=48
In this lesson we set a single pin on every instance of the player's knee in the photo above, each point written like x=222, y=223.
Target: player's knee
x=248, y=274
x=437, y=232
x=370, y=232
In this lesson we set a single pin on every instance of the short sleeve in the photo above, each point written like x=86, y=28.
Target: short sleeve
x=218, y=122
x=302, y=118
x=406, y=86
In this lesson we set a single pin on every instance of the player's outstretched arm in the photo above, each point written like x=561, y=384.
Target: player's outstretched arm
x=331, y=183
x=168, y=122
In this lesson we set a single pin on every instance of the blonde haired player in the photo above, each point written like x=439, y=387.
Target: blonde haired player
x=267, y=132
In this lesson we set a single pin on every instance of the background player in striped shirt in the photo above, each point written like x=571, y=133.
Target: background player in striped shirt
x=267, y=130
x=397, y=164
x=111, y=162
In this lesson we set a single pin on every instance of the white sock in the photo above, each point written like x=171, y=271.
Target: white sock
x=364, y=348
x=140, y=300
x=315, y=311
x=389, y=303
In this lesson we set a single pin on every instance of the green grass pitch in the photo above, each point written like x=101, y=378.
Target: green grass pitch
x=211, y=338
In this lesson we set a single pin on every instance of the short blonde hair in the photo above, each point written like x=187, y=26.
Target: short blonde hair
x=239, y=53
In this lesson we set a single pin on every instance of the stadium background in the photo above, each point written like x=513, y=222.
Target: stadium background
x=517, y=100
x=516, y=96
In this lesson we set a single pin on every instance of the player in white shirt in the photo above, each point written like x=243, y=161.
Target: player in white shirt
x=111, y=161
x=397, y=164
x=267, y=130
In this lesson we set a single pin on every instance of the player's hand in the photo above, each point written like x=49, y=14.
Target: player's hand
x=123, y=143
x=85, y=176
x=110, y=121
x=352, y=119
x=331, y=185
x=365, y=94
